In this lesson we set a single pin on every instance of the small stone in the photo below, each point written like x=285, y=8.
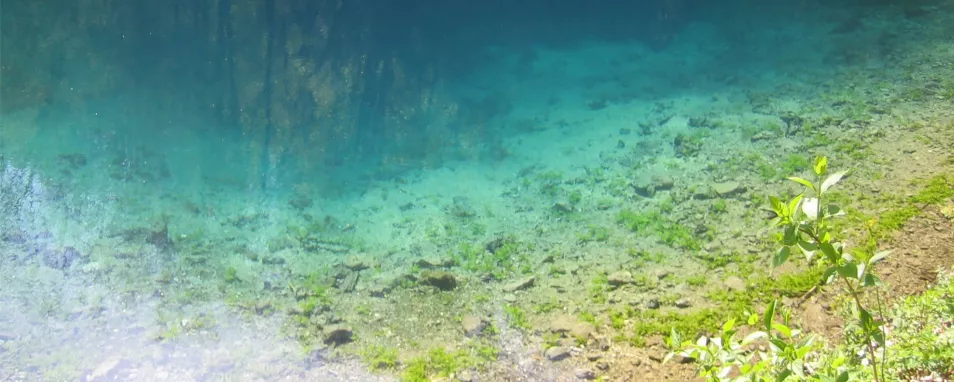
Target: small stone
x=594, y=357
x=734, y=283
x=568, y=324
x=472, y=325
x=337, y=335
x=261, y=307
x=662, y=273
x=523, y=283
x=725, y=189
x=465, y=376
x=683, y=303
x=557, y=353
x=652, y=303
x=762, y=135
x=663, y=182
x=702, y=192
x=379, y=290
x=620, y=278
x=602, y=366
x=585, y=374
x=644, y=188
x=355, y=263
x=442, y=280
x=433, y=262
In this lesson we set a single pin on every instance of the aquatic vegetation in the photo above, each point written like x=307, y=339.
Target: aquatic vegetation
x=689, y=145
x=795, y=163
x=380, y=357
x=653, y=223
x=594, y=233
x=517, y=317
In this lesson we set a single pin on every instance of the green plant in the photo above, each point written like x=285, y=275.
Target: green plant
x=789, y=353
x=922, y=333
x=806, y=225
x=805, y=222
x=517, y=317
x=380, y=357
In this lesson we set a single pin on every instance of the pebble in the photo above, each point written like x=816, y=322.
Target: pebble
x=585, y=374
x=557, y=353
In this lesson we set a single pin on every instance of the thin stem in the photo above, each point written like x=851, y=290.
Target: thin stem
x=884, y=333
x=871, y=353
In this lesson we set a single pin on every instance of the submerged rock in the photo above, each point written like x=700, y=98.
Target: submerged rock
x=585, y=374
x=663, y=182
x=644, y=188
x=523, y=283
x=724, y=189
x=557, y=353
x=337, y=335
x=472, y=325
x=620, y=278
x=356, y=263
x=442, y=280
x=434, y=262
x=60, y=259
x=571, y=326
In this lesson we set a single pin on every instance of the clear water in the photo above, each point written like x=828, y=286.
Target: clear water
x=183, y=182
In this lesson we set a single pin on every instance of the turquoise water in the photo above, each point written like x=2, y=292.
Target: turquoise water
x=330, y=190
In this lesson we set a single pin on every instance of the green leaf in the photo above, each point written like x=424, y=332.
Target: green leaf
x=808, y=249
x=785, y=330
x=778, y=206
x=830, y=252
x=753, y=318
x=829, y=274
x=779, y=343
x=848, y=270
x=870, y=280
x=832, y=180
x=745, y=369
x=790, y=235
x=843, y=377
x=867, y=320
x=781, y=256
x=674, y=338
x=793, y=204
x=783, y=375
x=769, y=316
x=668, y=357
x=727, y=327
x=879, y=256
x=754, y=336
x=803, y=182
x=834, y=210
x=878, y=337
x=821, y=165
